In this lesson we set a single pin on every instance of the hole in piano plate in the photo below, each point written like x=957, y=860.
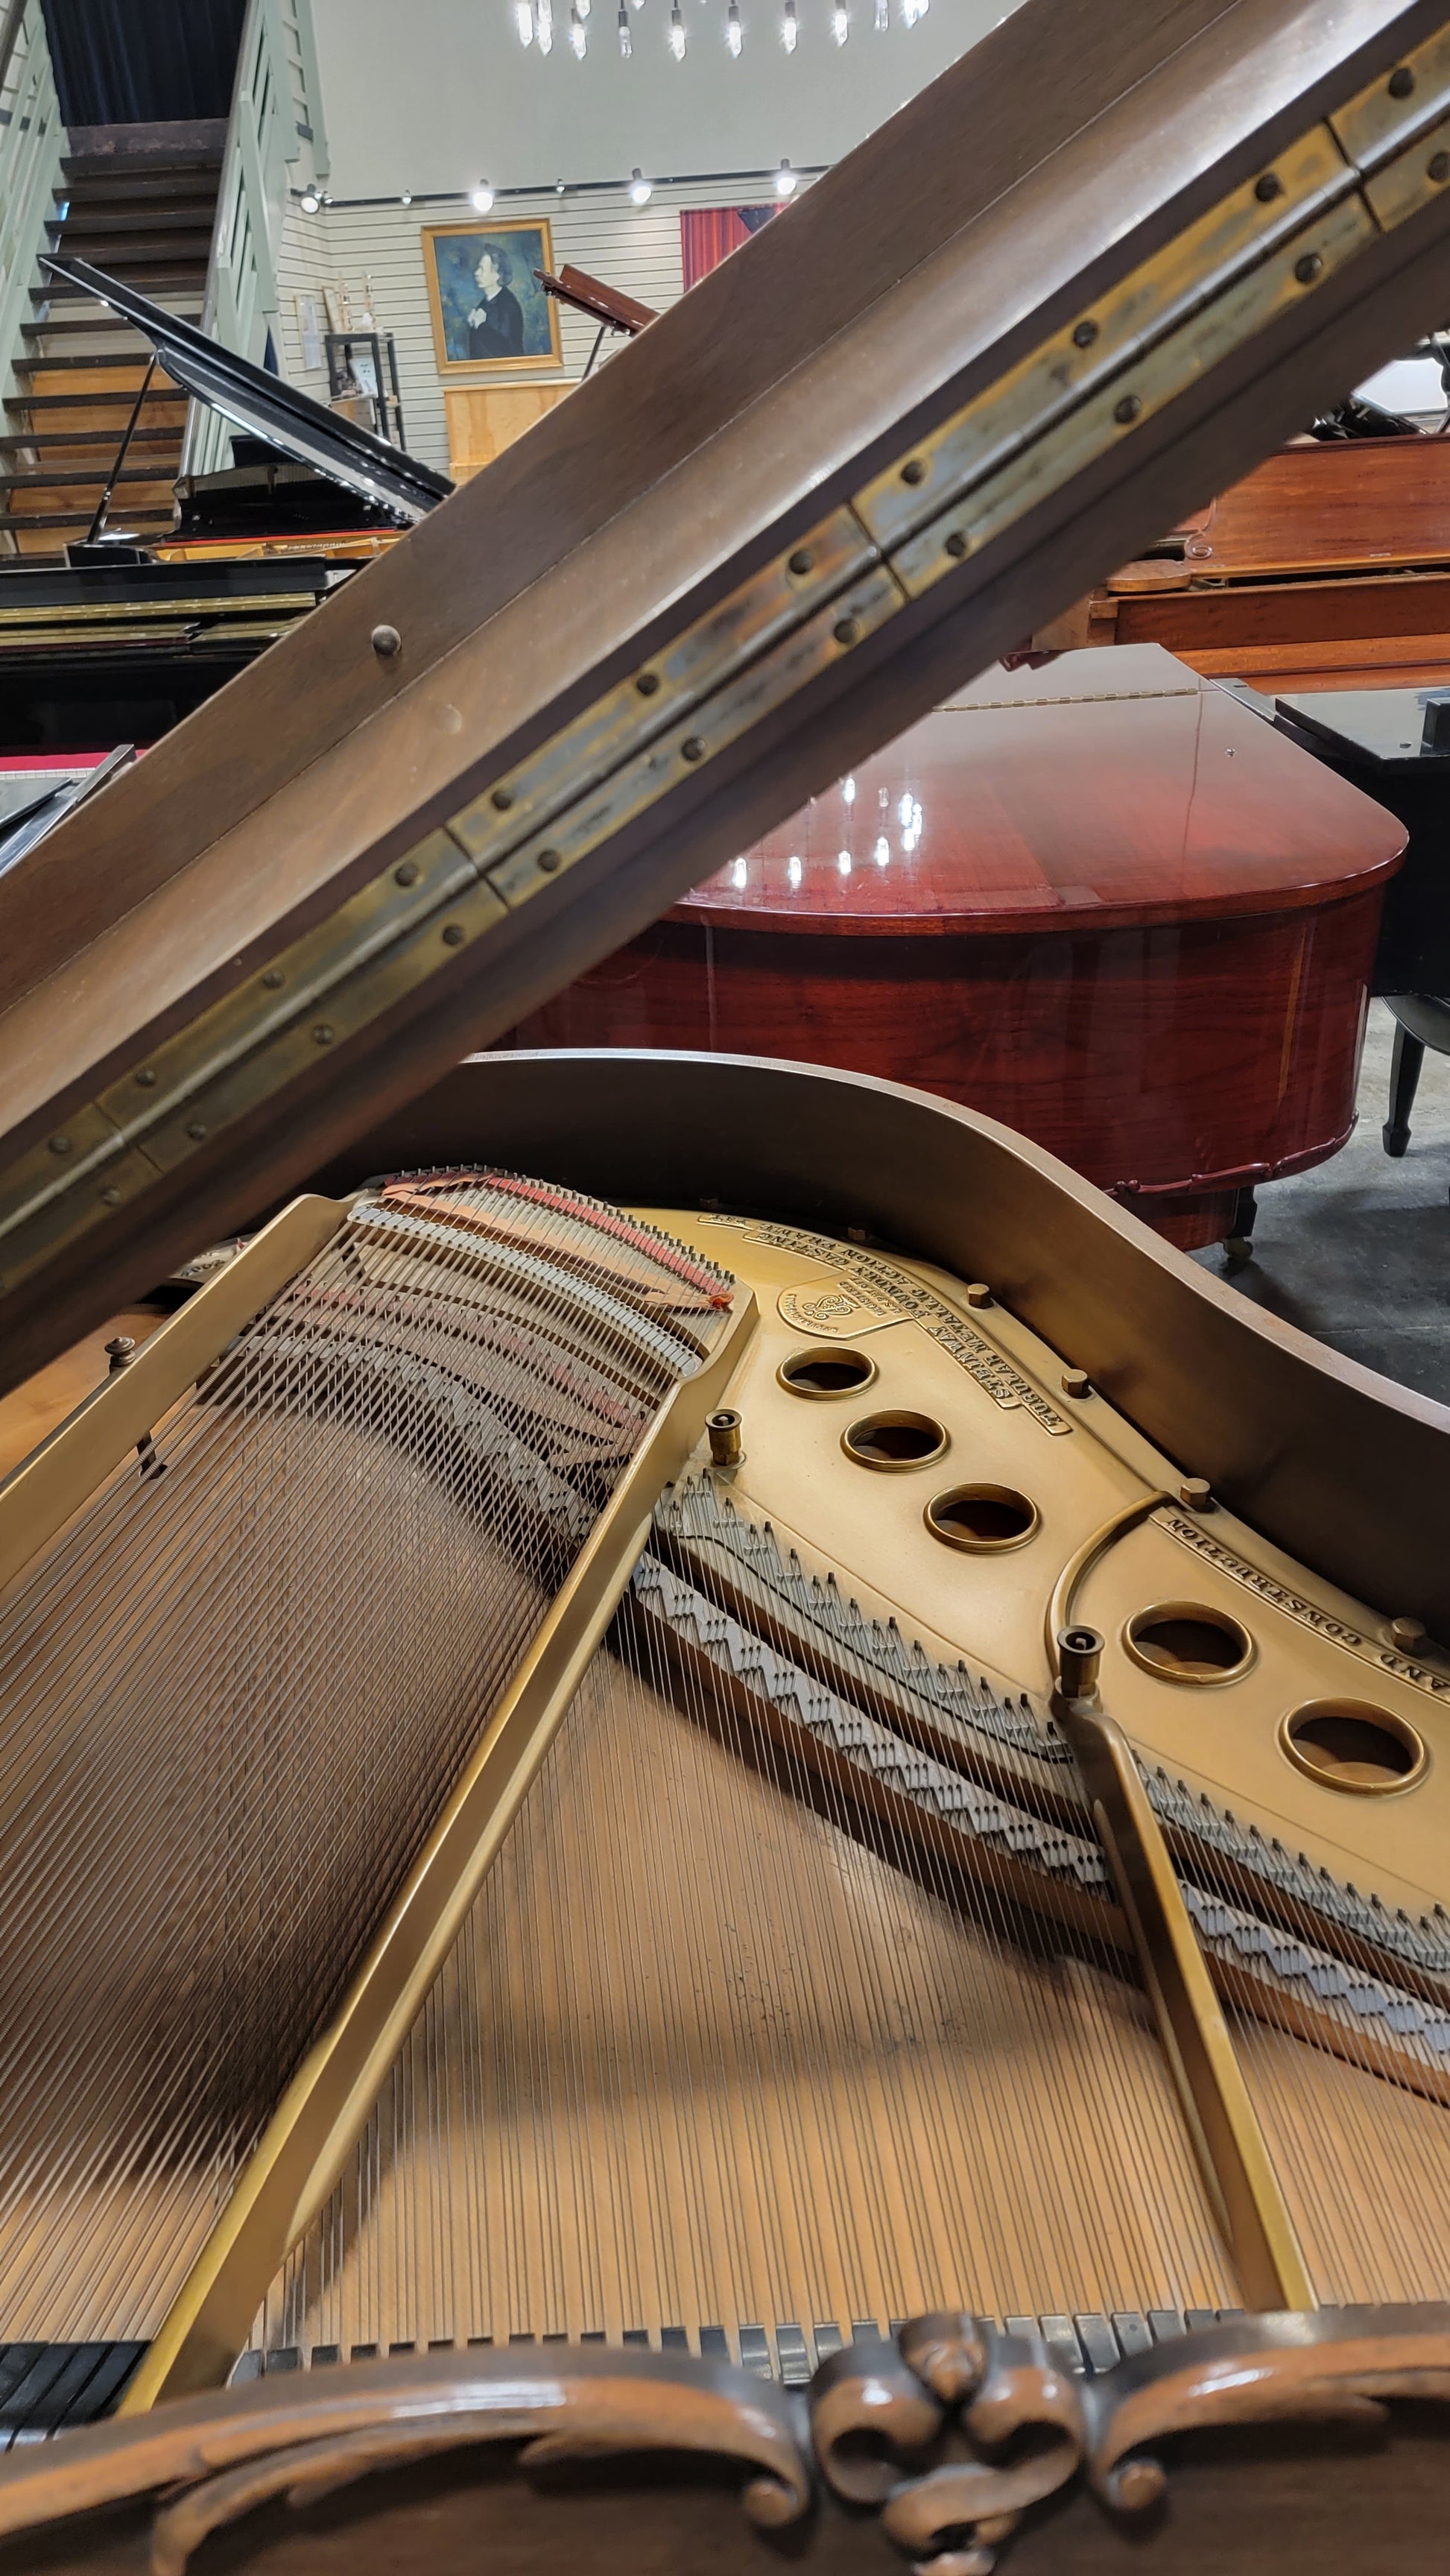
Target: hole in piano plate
x=1348, y=1744
x=826, y=1372
x=1182, y=1641
x=983, y=1519
x=894, y=1440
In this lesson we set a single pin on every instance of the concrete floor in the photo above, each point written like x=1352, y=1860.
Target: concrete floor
x=1357, y=1251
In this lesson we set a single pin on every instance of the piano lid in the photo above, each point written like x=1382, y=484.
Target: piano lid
x=266, y=405
x=1086, y=279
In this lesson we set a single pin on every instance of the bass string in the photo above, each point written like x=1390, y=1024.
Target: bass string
x=154, y=1740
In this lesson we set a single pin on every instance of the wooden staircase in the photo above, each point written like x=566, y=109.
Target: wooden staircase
x=139, y=201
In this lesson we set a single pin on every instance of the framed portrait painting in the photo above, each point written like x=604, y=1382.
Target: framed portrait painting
x=491, y=317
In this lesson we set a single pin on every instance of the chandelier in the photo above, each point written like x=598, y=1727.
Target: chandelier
x=534, y=21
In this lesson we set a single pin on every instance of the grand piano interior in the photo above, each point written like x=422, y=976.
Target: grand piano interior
x=720, y=1805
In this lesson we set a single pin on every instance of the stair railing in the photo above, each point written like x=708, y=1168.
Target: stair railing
x=276, y=142
x=32, y=146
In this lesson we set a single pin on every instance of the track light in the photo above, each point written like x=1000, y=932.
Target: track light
x=733, y=37
x=641, y=189
x=481, y=198
x=786, y=182
x=677, y=33
x=883, y=16
x=626, y=46
x=524, y=21
x=840, y=23
x=789, y=27
x=577, y=37
x=544, y=25
x=310, y=201
x=406, y=198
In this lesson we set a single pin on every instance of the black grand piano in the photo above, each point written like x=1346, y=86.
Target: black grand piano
x=122, y=640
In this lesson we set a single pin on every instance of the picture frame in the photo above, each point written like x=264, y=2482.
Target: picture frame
x=482, y=330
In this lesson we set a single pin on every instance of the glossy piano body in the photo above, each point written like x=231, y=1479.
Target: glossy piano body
x=1103, y=903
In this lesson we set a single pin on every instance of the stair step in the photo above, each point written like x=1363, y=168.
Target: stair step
x=141, y=185
x=104, y=223
x=102, y=321
x=98, y=400
x=98, y=363
x=127, y=254
x=168, y=439
x=54, y=478
x=186, y=301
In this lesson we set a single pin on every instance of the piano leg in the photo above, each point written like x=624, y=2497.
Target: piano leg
x=1239, y=1241
x=1405, y=1065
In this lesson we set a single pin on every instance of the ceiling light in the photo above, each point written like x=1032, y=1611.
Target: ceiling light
x=641, y=189
x=789, y=27
x=406, y=198
x=840, y=24
x=577, y=37
x=544, y=25
x=625, y=44
x=310, y=201
x=785, y=183
x=733, y=36
x=677, y=33
x=481, y=198
x=524, y=21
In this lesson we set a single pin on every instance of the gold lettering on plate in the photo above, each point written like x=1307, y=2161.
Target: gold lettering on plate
x=832, y=1308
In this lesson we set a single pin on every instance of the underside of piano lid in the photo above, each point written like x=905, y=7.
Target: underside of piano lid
x=1070, y=291
x=701, y=1729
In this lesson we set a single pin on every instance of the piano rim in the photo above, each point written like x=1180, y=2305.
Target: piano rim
x=1344, y=1469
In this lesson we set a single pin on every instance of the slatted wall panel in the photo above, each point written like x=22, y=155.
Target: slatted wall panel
x=635, y=248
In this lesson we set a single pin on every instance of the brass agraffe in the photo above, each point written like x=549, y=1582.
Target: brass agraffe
x=296, y=2161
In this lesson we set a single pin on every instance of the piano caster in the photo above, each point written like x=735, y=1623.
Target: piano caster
x=1238, y=1246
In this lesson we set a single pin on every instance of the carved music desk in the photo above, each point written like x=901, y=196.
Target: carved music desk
x=1101, y=902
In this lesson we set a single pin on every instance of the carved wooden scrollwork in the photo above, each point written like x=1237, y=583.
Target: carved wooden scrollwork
x=1339, y=2366
x=211, y=2460
x=951, y=2435
x=954, y=2433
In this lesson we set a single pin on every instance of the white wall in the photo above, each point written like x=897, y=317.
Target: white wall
x=433, y=98
x=636, y=248
x=437, y=94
